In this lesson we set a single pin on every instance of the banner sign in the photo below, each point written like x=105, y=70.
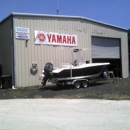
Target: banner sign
x=22, y=33
x=51, y=38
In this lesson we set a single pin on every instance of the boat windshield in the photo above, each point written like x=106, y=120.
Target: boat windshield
x=79, y=57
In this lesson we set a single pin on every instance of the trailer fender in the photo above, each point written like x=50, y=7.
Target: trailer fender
x=79, y=80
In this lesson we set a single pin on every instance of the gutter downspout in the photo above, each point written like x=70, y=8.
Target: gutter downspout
x=13, y=55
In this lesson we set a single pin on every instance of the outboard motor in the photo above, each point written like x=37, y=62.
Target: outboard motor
x=47, y=72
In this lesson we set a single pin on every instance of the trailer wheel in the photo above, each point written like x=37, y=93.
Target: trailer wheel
x=84, y=84
x=77, y=84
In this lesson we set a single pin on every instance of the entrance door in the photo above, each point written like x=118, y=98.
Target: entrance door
x=107, y=50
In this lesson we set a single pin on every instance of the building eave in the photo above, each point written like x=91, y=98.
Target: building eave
x=63, y=16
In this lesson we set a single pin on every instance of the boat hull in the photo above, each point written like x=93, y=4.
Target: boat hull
x=89, y=72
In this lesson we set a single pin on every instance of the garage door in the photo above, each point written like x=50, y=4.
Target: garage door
x=105, y=48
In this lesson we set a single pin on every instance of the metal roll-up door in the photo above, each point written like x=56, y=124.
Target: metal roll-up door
x=105, y=48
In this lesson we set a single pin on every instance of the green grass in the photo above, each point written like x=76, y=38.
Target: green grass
x=80, y=95
x=115, y=97
x=92, y=95
x=37, y=96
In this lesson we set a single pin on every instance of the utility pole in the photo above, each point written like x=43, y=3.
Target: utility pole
x=57, y=11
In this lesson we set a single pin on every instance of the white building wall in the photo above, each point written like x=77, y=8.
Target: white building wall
x=26, y=53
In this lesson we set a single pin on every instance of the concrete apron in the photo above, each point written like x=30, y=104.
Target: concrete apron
x=64, y=114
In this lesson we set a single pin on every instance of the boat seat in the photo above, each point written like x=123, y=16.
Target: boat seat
x=79, y=62
x=75, y=63
x=66, y=65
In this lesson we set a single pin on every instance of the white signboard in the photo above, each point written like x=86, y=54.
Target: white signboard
x=22, y=33
x=51, y=38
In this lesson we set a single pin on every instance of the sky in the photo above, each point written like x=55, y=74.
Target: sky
x=114, y=12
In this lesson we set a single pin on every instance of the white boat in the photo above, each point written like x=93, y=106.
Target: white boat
x=78, y=73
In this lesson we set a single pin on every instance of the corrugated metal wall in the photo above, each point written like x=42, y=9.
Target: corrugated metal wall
x=6, y=47
x=26, y=53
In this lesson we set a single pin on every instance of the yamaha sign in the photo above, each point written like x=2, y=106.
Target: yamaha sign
x=51, y=38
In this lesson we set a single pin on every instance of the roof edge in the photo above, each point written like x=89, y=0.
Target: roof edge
x=5, y=18
x=63, y=16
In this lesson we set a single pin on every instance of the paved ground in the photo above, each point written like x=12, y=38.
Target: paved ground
x=64, y=114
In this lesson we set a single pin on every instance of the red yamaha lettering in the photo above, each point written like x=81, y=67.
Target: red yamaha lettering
x=69, y=39
x=64, y=39
x=73, y=40
x=49, y=37
x=55, y=38
x=59, y=39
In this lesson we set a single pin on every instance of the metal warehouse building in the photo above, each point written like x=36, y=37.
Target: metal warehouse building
x=28, y=41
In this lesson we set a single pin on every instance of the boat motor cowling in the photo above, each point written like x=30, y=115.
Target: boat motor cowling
x=47, y=72
x=48, y=67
